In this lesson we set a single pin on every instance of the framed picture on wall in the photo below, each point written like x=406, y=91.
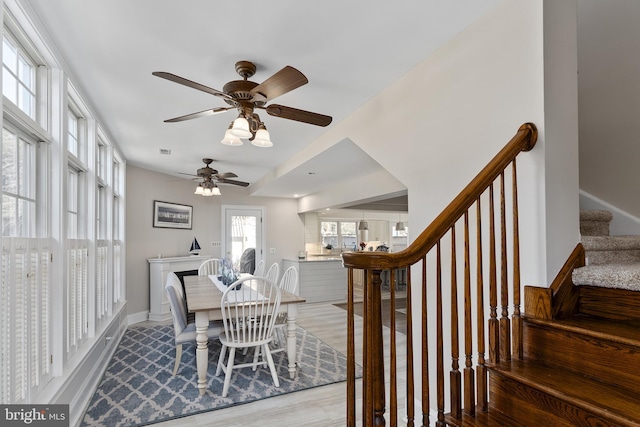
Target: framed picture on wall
x=172, y=215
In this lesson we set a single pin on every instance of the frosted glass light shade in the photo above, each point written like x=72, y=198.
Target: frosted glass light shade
x=199, y=190
x=230, y=139
x=215, y=191
x=207, y=192
x=240, y=128
x=262, y=139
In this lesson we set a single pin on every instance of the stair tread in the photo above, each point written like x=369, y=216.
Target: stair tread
x=482, y=419
x=596, y=215
x=610, y=243
x=578, y=390
x=616, y=276
x=623, y=331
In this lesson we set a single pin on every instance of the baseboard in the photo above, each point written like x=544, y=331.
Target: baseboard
x=623, y=223
x=141, y=316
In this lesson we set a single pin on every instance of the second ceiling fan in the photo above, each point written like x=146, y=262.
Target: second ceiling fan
x=246, y=96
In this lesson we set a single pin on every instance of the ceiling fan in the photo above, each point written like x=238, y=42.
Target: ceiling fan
x=211, y=178
x=246, y=96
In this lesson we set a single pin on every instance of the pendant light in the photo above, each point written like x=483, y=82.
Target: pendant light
x=363, y=225
x=399, y=224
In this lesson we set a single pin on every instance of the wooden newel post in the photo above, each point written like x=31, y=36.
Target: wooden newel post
x=373, y=380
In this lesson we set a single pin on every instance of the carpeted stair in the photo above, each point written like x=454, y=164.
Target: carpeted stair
x=612, y=261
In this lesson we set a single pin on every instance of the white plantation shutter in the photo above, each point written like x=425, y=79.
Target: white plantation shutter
x=24, y=319
x=117, y=272
x=19, y=328
x=102, y=301
x=44, y=284
x=77, y=325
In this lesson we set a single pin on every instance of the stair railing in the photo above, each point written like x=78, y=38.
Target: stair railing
x=504, y=333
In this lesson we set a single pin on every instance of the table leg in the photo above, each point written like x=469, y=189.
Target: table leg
x=202, y=352
x=292, y=314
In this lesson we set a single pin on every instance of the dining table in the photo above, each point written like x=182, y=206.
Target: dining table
x=204, y=296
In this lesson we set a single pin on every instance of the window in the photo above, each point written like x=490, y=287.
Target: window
x=25, y=316
x=72, y=134
x=339, y=234
x=101, y=159
x=18, y=77
x=18, y=185
x=72, y=204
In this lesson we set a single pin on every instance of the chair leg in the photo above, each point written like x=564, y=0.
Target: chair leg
x=223, y=351
x=178, y=357
x=256, y=355
x=272, y=367
x=227, y=375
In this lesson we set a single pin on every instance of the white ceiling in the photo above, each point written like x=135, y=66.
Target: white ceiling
x=349, y=50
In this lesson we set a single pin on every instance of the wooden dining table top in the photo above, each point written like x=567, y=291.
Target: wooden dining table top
x=203, y=295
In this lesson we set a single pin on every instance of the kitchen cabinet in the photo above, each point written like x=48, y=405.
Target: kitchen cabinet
x=320, y=280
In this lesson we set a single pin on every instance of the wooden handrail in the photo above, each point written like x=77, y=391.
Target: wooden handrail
x=524, y=140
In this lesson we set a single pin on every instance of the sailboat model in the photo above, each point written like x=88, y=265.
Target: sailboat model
x=195, y=247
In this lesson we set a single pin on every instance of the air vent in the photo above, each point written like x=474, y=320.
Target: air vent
x=165, y=151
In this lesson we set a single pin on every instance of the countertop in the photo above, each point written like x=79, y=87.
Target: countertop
x=314, y=258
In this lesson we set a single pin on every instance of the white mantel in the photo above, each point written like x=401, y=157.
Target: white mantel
x=159, y=268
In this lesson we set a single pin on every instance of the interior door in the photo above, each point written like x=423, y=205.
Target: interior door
x=243, y=230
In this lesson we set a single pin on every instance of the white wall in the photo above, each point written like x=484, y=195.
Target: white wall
x=609, y=101
x=436, y=127
x=283, y=226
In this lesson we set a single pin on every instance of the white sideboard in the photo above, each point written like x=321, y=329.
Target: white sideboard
x=159, y=268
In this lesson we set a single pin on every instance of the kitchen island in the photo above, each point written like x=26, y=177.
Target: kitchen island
x=320, y=278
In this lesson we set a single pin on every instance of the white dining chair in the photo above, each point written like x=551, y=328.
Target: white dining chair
x=248, y=315
x=289, y=283
x=273, y=273
x=259, y=271
x=209, y=267
x=184, y=332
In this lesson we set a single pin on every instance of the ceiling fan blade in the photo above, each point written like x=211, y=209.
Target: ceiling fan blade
x=191, y=84
x=226, y=175
x=280, y=83
x=233, y=182
x=204, y=113
x=190, y=174
x=298, y=115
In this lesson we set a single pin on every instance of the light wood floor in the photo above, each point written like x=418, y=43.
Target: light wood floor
x=322, y=406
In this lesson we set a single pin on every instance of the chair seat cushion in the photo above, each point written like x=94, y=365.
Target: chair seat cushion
x=189, y=333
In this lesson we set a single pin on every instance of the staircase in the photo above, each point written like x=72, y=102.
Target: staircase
x=581, y=364
x=570, y=358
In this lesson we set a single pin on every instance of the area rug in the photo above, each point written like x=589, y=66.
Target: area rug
x=137, y=388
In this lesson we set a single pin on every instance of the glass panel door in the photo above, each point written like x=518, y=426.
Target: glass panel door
x=243, y=232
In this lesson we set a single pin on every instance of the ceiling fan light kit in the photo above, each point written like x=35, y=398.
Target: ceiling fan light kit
x=240, y=128
x=211, y=178
x=262, y=138
x=247, y=96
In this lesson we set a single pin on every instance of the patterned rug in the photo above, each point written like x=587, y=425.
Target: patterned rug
x=138, y=389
